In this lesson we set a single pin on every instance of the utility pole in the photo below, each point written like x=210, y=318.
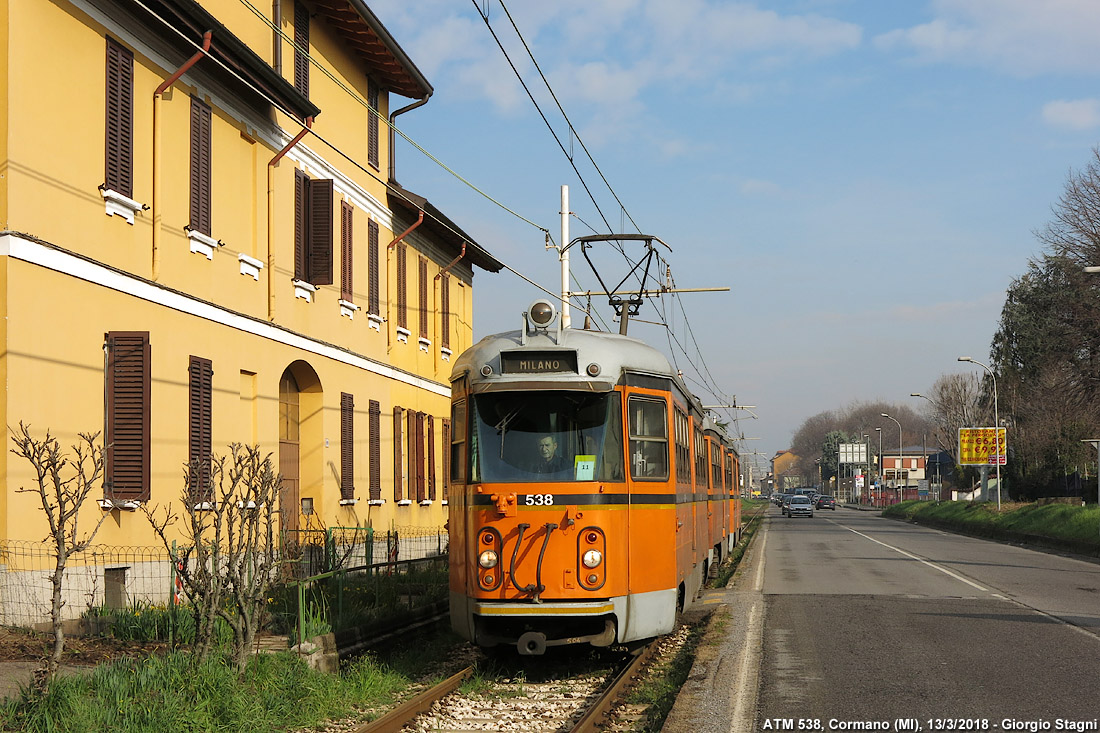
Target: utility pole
x=563, y=255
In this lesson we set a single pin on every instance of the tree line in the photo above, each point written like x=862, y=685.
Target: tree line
x=1046, y=357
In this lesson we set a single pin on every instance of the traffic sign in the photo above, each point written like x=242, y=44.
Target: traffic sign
x=982, y=446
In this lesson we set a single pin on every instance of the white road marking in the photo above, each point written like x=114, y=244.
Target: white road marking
x=744, y=706
x=910, y=555
x=758, y=584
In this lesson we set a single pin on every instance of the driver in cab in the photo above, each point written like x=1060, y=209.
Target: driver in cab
x=549, y=460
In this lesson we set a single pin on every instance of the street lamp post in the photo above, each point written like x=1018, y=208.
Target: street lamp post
x=938, y=483
x=897, y=470
x=996, y=424
x=879, y=431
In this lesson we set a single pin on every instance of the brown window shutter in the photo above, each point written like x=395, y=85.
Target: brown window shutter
x=126, y=471
x=402, y=303
x=200, y=378
x=422, y=281
x=445, y=311
x=372, y=267
x=320, y=231
x=374, y=414
x=301, y=219
x=445, y=444
x=347, y=446
x=414, y=478
x=119, y=159
x=421, y=495
x=398, y=469
x=431, y=457
x=346, y=289
x=200, y=166
x=372, y=123
x=301, y=48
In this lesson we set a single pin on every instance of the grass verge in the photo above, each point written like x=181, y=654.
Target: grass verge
x=1059, y=526
x=658, y=693
x=174, y=692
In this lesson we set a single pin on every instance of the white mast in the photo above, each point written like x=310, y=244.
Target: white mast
x=564, y=257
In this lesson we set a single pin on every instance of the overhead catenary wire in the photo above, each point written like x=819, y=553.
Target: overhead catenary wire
x=347, y=157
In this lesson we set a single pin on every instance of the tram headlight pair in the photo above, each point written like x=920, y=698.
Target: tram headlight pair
x=592, y=559
x=489, y=559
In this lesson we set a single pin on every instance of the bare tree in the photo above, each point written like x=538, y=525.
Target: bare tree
x=62, y=484
x=957, y=400
x=231, y=522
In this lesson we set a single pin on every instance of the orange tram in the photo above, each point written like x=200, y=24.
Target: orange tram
x=590, y=493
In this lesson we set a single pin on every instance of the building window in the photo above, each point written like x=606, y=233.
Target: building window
x=422, y=282
x=119, y=169
x=431, y=457
x=402, y=303
x=374, y=414
x=301, y=48
x=372, y=123
x=398, y=469
x=346, y=285
x=126, y=434
x=347, y=446
x=372, y=267
x=312, y=229
x=445, y=311
x=200, y=377
x=200, y=167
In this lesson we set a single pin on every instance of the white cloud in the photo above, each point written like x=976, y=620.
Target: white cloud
x=755, y=187
x=1022, y=37
x=1072, y=114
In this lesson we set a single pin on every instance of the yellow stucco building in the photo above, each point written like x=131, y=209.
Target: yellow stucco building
x=181, y=271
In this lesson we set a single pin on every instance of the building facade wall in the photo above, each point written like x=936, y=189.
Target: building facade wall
x=73, y=271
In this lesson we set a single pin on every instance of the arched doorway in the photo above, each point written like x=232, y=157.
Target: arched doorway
x=300, y=445
x=289, y=452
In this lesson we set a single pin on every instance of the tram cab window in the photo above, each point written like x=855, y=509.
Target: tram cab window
x=648, y=420
x=546, y=436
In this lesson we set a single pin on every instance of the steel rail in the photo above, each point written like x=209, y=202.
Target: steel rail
x=593, y=718
x=396, y=719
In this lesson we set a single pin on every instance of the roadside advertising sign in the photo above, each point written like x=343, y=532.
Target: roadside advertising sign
x=982, y=446
x=851, y=453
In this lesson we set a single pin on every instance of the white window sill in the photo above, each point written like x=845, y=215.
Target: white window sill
x=425, y=344
x=109, y=504
x=304, y=290
x=251, y=505
x=348, y=502
x=426, y=502
x=250, y=266
x=444, y=503
x=445, y=353
x=204, y=506
x=347, y=308
x=119, y=205
x=374, y=321
x=376, y=502
x=403, y=334
x=405, y=502
x=202, y=244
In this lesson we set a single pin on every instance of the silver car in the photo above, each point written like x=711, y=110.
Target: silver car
x=800, y=506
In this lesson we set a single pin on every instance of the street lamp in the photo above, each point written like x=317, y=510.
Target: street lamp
x=901, y=460
x=996, y=424
x=879, y=431
x=934, y=407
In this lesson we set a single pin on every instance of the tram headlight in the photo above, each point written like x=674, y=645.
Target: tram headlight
x=592, y=558
x=541, y=313
x=487, y=559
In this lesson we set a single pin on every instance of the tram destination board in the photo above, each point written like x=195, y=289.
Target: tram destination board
x=538, y=362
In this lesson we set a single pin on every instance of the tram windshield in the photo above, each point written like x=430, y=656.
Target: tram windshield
x=546, y=436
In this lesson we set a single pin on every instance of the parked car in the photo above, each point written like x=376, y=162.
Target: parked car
x=799, y=505
x=824, y=501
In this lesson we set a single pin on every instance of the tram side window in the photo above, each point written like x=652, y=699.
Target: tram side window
x=683, y=449
x=648, y=439
x=458, y=442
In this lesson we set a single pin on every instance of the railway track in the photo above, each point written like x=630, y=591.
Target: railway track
x=574, y=703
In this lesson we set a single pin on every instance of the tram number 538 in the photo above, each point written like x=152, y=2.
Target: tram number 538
x=539, y=500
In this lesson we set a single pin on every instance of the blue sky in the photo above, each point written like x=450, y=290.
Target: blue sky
x=866, y=176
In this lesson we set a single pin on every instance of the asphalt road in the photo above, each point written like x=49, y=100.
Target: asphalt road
x=869, y=621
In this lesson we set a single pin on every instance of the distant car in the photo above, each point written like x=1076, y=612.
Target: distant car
x=823, y=501
x=785, y=501
x=799, y=505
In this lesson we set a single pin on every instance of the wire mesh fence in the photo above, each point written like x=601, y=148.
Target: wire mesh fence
x=121, y=577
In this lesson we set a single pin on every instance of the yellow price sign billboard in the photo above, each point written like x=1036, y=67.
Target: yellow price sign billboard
x=982, y=446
